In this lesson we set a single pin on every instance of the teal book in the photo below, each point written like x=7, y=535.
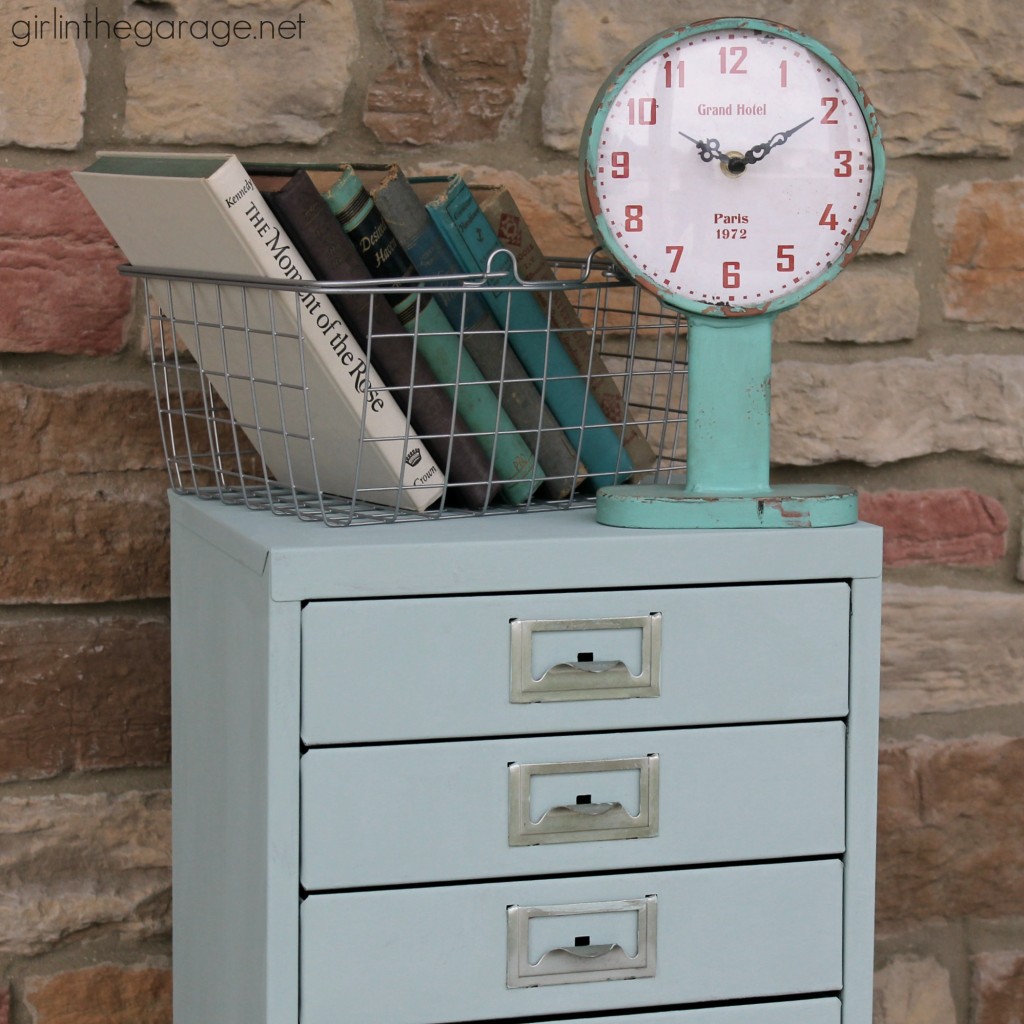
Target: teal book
x=512, y=461
x=457, y=215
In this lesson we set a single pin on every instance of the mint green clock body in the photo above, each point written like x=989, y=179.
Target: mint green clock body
x=731, y=168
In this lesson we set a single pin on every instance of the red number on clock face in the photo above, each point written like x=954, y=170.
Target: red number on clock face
x=620, y=164
x=634, y=217
x=844, y=158
x=786, y=261
x=675, y=74
x=676, y=252
x=730, y=275
x=831, y=105
x=738, y=55
x=828, y=218
x=643, y=110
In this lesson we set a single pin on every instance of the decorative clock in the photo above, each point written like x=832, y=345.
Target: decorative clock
x=731, y=168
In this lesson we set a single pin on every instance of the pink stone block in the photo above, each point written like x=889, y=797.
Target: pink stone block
x=953, y=526
x=59, y=287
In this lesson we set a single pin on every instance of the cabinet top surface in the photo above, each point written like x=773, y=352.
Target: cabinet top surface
x=541, y=550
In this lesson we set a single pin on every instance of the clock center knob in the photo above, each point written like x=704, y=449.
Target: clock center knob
x=734, y=164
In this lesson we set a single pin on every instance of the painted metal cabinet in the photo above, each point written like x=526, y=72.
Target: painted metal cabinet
x=522, y=768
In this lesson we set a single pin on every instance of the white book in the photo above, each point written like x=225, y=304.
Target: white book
x=202, y=213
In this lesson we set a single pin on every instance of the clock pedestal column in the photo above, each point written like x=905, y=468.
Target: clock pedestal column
x=728, y=444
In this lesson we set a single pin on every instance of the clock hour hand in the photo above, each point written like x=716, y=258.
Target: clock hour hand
x=709, y=149
x=760, y=151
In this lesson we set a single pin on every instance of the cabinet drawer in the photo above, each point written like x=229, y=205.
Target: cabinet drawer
x=804, y=1011
x=460, y=953
x=420, y=668
x=545, y=805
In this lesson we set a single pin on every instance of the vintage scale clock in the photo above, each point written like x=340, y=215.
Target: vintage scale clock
x=731, y=168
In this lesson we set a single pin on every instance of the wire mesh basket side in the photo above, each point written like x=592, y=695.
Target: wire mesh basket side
x=246, y=418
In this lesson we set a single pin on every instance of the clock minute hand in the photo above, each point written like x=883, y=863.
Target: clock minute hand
x=709, y=149
x=760, y=151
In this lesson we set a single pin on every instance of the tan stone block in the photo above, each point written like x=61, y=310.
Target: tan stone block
x=59, y=287
x=865, y=304
x=950, y=832
x=286, y=87
x=92, y=428
x=85, y=538
x=83, y=694
x=42, y=76
x=952, y=526
x=83, y=489
x=997, y=989
x=911, y=990
x=890, y=234
x=77, y=862
x=981, y=224
x=946, y=650
x=886, y=410
x=105, y=994
x=459, y=72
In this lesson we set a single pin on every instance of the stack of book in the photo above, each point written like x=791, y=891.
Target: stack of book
x=361, y=369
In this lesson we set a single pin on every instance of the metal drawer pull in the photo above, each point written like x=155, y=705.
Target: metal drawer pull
x=583, y=961
x=634, y=780
x=587, y=676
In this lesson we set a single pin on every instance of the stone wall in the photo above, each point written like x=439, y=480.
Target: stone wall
x=905, y=377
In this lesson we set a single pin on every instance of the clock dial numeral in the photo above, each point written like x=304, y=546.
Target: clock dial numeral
x=634, y=217
x=643, y=110
x=675, y=74
x=620, y=164
x=844, y=158
x=831, y=105
x=784, y=74
x=676, y=252
x=785, y=259
x=731, y=60
x=828, y=218
x=730, y=274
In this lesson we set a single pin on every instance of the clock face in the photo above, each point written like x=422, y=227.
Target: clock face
x=731, y=167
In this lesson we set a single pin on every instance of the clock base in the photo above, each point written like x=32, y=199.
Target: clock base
x=664, y=506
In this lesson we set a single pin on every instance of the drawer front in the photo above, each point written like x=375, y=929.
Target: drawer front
x=804, y=1011
x=460, y=953
x=515, y=664
x=546, y=805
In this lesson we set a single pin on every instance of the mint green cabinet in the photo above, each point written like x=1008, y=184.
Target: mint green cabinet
x=522, y=767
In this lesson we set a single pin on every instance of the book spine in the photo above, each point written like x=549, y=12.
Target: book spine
x=513, y=233
x=482, y=337
x=506, y=451
x=539, y=348
x=382, y=423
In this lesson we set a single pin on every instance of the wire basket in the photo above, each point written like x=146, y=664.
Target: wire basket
x=248, y=416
